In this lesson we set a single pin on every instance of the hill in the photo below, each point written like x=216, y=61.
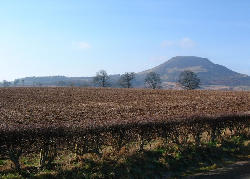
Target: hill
x=61, y=81
x=208, y=72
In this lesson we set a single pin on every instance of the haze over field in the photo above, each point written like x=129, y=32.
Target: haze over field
x=78, y=38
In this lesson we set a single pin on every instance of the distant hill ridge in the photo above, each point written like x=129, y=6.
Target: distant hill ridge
x=208, y=72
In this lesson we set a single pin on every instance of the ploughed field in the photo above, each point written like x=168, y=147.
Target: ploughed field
x=92, y=107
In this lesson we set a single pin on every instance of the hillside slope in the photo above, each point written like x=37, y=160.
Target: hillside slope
x=209, y=73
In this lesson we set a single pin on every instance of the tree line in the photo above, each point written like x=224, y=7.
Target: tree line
x=187, y=79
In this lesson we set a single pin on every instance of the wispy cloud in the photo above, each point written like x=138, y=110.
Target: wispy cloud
x=187, y=43
x=184, y=43
x=82, y=45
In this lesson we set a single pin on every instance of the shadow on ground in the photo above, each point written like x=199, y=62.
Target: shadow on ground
x=160, y=163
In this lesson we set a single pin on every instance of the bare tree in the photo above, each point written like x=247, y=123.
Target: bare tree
x=16, y=81
x=72, y=84
x=6, y=83
x=102, y=79
x=61, y=83
x=189, y=80
x=153, y=80
x=126, y=79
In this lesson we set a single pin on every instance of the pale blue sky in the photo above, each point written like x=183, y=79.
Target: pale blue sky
x=78, y=38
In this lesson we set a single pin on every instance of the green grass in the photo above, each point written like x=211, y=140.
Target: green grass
x=160, y=162
x=2, y=162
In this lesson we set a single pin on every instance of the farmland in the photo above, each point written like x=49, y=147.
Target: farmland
x=52, y=122
x=91, y=107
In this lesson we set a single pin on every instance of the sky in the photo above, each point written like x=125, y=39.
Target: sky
x=81, y=37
